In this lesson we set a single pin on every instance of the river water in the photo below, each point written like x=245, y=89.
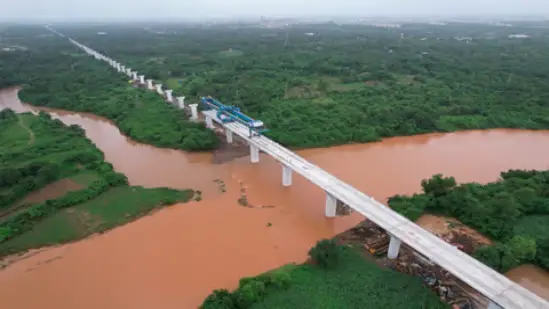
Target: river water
x=177, y=256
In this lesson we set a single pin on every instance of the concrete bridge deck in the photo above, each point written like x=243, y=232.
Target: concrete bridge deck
x=488, y=282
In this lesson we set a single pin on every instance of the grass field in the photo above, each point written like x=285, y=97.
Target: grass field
x=117, y=206
x=355, y=283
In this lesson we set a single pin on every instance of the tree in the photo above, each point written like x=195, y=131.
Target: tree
x=438, y=185
x=325, y=253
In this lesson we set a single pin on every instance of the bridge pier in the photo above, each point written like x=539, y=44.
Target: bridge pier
x=394, y=247
x=118, y=67
x=141, y=79
x=181, y=102
x=159, y=88
x=134, y=75
x=254, y=154
x=209, y=123
x=150, y=84
x=286, y=176
x=169, y=96
x=129, y=72
x=331, y=205
x=229, y=135
x=122, y=69
x=194, y=111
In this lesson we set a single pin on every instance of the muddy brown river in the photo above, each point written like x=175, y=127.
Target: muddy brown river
x=177, y=256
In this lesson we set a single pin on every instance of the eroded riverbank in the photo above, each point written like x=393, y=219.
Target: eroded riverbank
x=175, y=257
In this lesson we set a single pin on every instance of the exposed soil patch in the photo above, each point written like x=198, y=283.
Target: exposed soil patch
x=51, y=191
x=31, y=133
x=454, y=232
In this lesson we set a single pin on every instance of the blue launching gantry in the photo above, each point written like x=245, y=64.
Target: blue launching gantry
x=227, y=114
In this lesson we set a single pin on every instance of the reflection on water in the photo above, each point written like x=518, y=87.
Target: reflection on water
x=175, y=257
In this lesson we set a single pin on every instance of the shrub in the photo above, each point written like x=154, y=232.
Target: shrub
x=325, y=253
x=438, y=185
x=219, y=299
x=280, y=279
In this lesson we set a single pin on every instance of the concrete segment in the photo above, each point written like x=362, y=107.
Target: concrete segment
x=169, y=96
x=229, y=135
x=194, y=111
x=331, y=205
x=286, y=176
x=254, y=154
x=159, y=89
x=181, y=102
x=394, y=248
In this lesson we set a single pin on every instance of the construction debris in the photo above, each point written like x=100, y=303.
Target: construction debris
x=450, y=289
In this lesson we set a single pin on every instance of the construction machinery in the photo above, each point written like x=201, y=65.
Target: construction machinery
x=227, y=114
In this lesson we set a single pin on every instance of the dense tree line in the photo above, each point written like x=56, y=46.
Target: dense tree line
x=347, y=83
x=514, y=212
x=56, y=74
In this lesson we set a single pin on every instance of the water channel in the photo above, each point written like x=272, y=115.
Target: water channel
x=175, y=257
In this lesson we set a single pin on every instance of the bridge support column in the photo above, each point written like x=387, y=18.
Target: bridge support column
x=394, y=247
x=122, y=69
x=331, y=205
x=254, y=154
x=141, y=79
x=150, y=84
x=492, y=305
x=286, y=176
x=129, y=72
x=118, y=67
x=229, y=135
x=169, y=96
x=134, y=75
x=159, y=88
x=209, y=123
x=194, y=111
x=181, y=102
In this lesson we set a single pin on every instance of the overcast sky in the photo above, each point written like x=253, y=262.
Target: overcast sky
x=185, y=9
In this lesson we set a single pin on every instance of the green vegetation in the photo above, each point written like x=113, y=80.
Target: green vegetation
x=29, y=160
x=115, y=207
x=347, y=83
x=354, y=283
x=325, y=254
x=513, y=211
x=55, y=79
x=36, y=151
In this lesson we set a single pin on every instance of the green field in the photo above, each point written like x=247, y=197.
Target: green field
x=355, y=283
x=113, y=208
